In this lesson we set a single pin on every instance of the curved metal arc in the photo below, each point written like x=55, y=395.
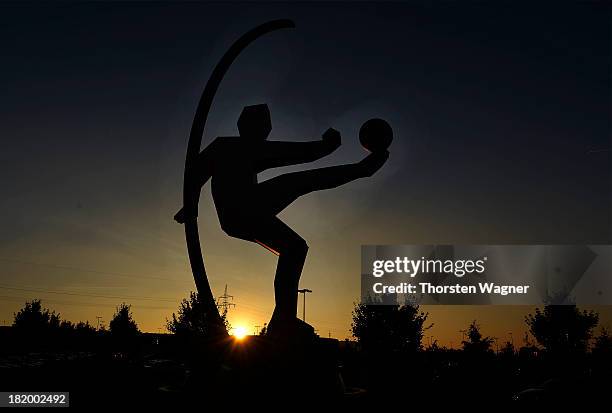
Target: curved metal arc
x=190, y=194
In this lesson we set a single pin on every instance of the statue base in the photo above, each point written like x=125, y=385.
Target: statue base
x=260, y=365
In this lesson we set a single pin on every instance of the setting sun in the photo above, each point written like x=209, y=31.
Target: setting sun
x=240, y=332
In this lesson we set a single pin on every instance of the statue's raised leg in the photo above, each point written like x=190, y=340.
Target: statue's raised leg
x=279, y=192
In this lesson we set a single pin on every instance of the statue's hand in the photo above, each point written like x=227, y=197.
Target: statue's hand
x=332, y=138
x=180, y=216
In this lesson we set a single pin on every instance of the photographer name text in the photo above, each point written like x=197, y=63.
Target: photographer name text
x=428, y=288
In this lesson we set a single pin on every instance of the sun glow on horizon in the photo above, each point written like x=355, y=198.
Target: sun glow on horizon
x=239, y=332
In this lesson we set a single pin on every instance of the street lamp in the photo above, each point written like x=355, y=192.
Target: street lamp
x=304, y=291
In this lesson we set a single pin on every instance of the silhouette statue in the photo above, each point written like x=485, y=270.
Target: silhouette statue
x=248, y=209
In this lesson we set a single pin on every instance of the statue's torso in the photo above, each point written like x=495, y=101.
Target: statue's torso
x=234, y=178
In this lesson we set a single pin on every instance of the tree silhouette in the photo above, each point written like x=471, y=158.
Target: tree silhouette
x=194, y=319
x=388, y=327
x=562, y=328
x=43, y=329
x=434, y=347
x=475, y=342
x=603, y=343
x=85, y=327
x=507, y=350
x=33, y=318
x=123, y=325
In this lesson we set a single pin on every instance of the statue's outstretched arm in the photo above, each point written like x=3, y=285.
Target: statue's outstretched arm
x=274, y=154
x=203, y=173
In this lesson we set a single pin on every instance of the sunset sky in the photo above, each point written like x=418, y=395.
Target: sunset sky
x=501, y=118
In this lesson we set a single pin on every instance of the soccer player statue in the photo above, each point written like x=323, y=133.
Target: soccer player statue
x=248, y=209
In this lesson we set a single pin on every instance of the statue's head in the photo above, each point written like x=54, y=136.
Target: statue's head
x=254, y=122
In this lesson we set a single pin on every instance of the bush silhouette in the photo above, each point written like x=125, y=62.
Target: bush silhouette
x=562, y=328
x=507, y=350
x=123, y=325
x=33, y=318
x=193, y=319
x=388, y=327
x=603, y=343
x=475, y=342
